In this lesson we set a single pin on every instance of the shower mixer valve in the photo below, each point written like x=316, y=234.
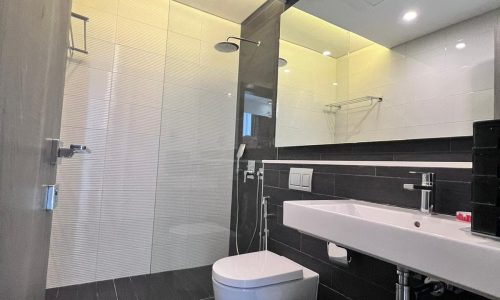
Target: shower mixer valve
x=249, y=173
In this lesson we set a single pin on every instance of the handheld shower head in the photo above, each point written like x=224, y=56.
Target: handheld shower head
x=228, y=46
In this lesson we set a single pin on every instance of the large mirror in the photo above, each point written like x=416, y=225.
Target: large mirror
x=335, y=86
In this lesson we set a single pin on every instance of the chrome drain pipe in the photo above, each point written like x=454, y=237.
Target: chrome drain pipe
x=402, y=287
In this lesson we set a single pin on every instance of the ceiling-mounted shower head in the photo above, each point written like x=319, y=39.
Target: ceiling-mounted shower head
x=228, y=46
x=282, y=62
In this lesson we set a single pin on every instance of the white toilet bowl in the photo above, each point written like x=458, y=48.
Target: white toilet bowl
x=263, y=276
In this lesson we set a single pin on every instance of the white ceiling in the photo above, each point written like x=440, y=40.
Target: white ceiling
x=380, y=20
x=233, y=10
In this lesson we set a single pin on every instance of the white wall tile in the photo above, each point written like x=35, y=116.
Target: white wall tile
x=123, y=263
x=87, y=83
x=131, y=89
x=100, y=57
x=80, y=174
x=70, y=269
x=102, y=25
x=183, y=47
x=81, y=113
x=134, y=118
x=152, y=12
x=138, y=63
x=140, y=36
x=185, y=20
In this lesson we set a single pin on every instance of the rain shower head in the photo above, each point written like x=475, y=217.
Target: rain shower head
x=228, y=46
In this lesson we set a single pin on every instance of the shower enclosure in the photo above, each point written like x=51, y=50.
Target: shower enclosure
x=156, y=103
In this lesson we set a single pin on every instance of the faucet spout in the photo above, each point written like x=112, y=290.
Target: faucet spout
x=428, y=190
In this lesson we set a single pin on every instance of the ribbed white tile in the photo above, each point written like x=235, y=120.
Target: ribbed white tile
x=141, y=36
x=100, y=53
x=101, y=24
x=180, y=98
x=139, y=63
x=78, y=236
x=94, y=139
x=170, y=229
x=123, y=263
x=178, y=123
x=84, y=113
x=127, y=205
x=215, y=29
x=123, y=175
x=71, y=269
x=131, y=147
x=169, y=257
x=134, y=118
x=131, y=89
x=87, y=83
x=183, y=47
x=185, y=20
x=109, y=6
x=215, y=59
x=152, y=12
x=80, y=174
x=207, y=250
x=181, y=72
x=117, y=234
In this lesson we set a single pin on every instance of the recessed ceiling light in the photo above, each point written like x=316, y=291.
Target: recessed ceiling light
x=327, y=53
x=229, y=94
x=335, y=83
x=460, y=45
x=287, y=71
x=410, y=16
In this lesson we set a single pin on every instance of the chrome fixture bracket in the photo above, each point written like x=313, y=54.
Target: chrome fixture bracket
x=258, y=43
x=335, y=107
x=72, y=46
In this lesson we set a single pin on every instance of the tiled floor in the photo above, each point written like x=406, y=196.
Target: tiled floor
x=189, y=284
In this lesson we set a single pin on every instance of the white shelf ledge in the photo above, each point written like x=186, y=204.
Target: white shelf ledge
x=410, y=164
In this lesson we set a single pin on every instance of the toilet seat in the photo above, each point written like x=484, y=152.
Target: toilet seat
x=256, y=269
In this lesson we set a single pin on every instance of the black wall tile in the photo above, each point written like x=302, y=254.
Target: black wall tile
x=285, y=235
x=434, y=156
x=314, y=247
x=278, y=195
x=68, y=293
x=324, y=270
x=452, y=197
x=384, y=190
x=326, y=293
x=323, y=184
x=272, y=178
x=447, y=174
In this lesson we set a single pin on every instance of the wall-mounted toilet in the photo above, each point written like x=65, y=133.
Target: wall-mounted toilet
x=263, y=276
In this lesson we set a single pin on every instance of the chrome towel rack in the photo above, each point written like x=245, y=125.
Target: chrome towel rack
x=334, y=107
x=72, y=46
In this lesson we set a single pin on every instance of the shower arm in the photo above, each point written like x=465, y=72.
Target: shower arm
x=244, y=40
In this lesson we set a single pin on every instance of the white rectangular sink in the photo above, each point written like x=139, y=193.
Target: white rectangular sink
x=436, y=245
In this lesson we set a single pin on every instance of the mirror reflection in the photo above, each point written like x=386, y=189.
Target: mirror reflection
x=335, y=86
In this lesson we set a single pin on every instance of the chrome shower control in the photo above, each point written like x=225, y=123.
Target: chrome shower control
x=57, y=151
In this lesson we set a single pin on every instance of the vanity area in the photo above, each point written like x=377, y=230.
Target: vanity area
x=382, y=111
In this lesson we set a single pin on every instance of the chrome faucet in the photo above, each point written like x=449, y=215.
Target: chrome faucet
x=428, y=189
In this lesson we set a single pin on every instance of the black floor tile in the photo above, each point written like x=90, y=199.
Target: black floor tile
x=124, y=289
x=51, y=294
x=68, y=293
x=106, y=290
x=188, y=284
x=87, y=291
